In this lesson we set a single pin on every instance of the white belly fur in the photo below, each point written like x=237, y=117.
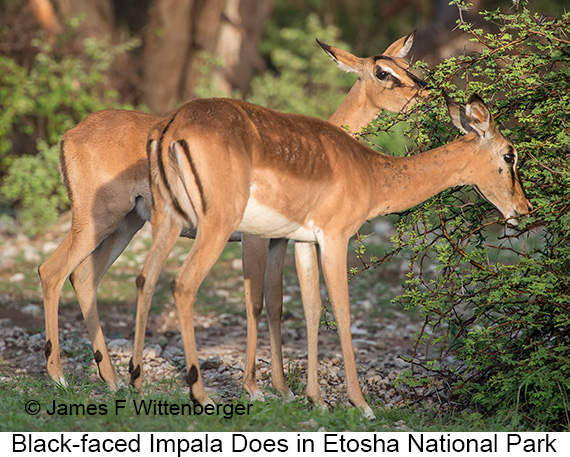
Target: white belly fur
x=266, y=222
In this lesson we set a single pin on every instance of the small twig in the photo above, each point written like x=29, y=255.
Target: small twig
x=545, y=167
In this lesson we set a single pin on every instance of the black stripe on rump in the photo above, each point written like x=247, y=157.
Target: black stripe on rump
x=159, y=150
x=186, y=150
x=162, y=172
x=64, y=171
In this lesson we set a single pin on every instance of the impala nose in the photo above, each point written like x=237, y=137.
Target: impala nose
x=512, y=217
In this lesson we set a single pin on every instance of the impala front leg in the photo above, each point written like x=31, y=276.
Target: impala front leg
x=307, y=264
x=254, y=259
x=274, y=303
x=334, y=260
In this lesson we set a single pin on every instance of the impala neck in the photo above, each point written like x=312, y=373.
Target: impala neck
x=404, y=182
x=355, y=111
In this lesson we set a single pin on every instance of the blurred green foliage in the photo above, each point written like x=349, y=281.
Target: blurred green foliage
x=303, y=78
x=367, y=25
x=40, y=102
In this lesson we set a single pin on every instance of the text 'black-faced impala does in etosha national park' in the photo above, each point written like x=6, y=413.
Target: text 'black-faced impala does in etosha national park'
x=105, y=168
x=225, y=165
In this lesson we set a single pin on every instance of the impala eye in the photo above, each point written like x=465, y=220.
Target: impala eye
x=509, y=158
x=382, y=74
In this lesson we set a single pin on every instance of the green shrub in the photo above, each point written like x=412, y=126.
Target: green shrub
x=34, y=182
x=40, y=102
x=496, y=301
x=303, y=79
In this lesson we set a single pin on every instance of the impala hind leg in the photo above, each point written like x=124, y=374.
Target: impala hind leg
x=307, y=263
x=85, y=280
x=209, y=244
x=165, y=234
x=75, y=247
x=254, y=258
x=53, y=273
x=334, y=263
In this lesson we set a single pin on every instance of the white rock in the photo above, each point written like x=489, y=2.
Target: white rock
x=18, y=277
x=34, y=310
x=49, y=246
x=31, y=255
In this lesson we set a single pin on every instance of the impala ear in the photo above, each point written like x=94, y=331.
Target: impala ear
x=475, y=117
x=457, y=114
x=344, y=59
x=401, y=48
x=479, y=117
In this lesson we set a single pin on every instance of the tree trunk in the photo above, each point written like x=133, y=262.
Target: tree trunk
x=97, y=16
x=166, y=49
x=181, y=29
x=176, y=34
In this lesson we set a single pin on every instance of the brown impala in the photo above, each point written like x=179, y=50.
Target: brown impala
x=224, y=165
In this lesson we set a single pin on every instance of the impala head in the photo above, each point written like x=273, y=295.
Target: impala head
x=387, y=82
x=494, y=163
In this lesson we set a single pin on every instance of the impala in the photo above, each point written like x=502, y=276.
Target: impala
x=384, y=84
x=224, y=165
x=105, y=169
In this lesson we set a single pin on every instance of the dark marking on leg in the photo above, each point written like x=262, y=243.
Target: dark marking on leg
x=192, y=378
x=140, y=281
x=47, y=349
x=135, y=372
x=98, y=358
